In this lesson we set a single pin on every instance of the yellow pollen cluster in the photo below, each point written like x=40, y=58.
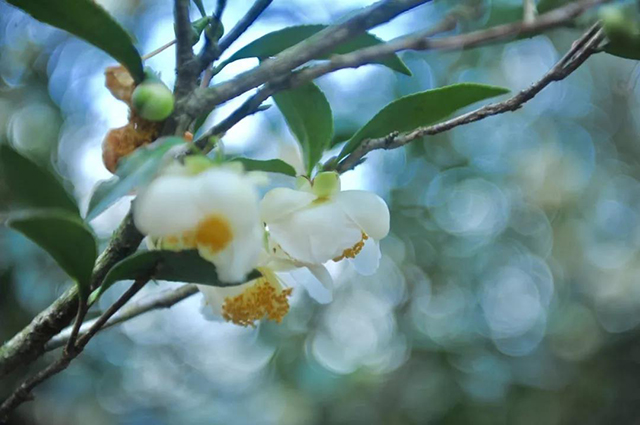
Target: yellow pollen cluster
x=261, y=300
x=354, y=250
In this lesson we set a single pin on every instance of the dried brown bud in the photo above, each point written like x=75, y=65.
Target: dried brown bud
x=120, y=83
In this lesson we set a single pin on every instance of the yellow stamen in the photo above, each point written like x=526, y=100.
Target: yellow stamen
x=262, y=300
x=354, y=250
x=213, y=232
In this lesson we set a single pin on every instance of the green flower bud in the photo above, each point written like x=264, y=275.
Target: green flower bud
x=219, y=29
x=196, y=164
x=618, y=24
x=326, y=184
x=152, y=100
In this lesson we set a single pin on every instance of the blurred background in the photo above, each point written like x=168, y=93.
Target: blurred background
x=508, y=290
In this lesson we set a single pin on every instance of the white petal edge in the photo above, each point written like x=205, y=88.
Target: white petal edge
x=316, y=280
x=316, y=234
x=367, y=210
x=280, y=202
x=367, y=261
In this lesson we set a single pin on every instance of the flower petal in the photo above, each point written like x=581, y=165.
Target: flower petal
x=316, y=280
x=367, y=210
x=155, y=212
x=230, y=194
x=235, y=261
x=280, y=202
x=316, y=234
x=367, y=261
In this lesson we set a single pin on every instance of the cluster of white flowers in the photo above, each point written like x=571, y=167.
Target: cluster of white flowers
x=216, y=209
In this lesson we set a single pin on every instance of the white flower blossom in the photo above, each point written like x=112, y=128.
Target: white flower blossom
x=265, y=297
x=319, y=222
x=214, y=211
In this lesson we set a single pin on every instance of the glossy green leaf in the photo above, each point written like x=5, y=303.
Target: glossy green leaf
x=277, y=41
x=421, y=109
x=269, y=165
x=31, y=185
x=174, y=266
x=135, y=170
x=65, y=237
x=309, y=117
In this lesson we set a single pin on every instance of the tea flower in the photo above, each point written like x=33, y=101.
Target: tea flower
x=319, y=222
x=214, y=211
x=262, y=298
x=265, y=297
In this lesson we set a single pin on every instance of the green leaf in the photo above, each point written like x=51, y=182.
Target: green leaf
x=275, y=42
x=308, y=115
x=420, y=109
x=89, y=21
x=135, y=170
x=269, y=165
x=32, y=185
x=65, y=237
x=174, y=266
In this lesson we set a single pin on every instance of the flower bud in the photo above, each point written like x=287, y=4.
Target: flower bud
x=617, y=25
x=326, y=183
x=152, y=100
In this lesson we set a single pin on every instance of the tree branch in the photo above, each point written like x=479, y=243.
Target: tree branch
x=581, y=50
x=211, y=51
x=164, y=299
x=241, y=26
x=422, y=41
x=28, y=345
x=186, y=67
x=23, y=392
x=249, y=107
x=204, y=100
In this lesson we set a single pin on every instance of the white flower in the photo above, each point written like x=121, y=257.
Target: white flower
x=318, y=222
x=214, y=211
x=265, y=297
x=261, y=298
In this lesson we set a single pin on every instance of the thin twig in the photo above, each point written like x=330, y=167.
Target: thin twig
x=321, y=43
x=423, y=41
x=249, y=107
x=82, y=312
x=370, y=54
x=23, y=392
x=158, y=50
x=579, y=52
x=241, y=26
x=164, y=299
